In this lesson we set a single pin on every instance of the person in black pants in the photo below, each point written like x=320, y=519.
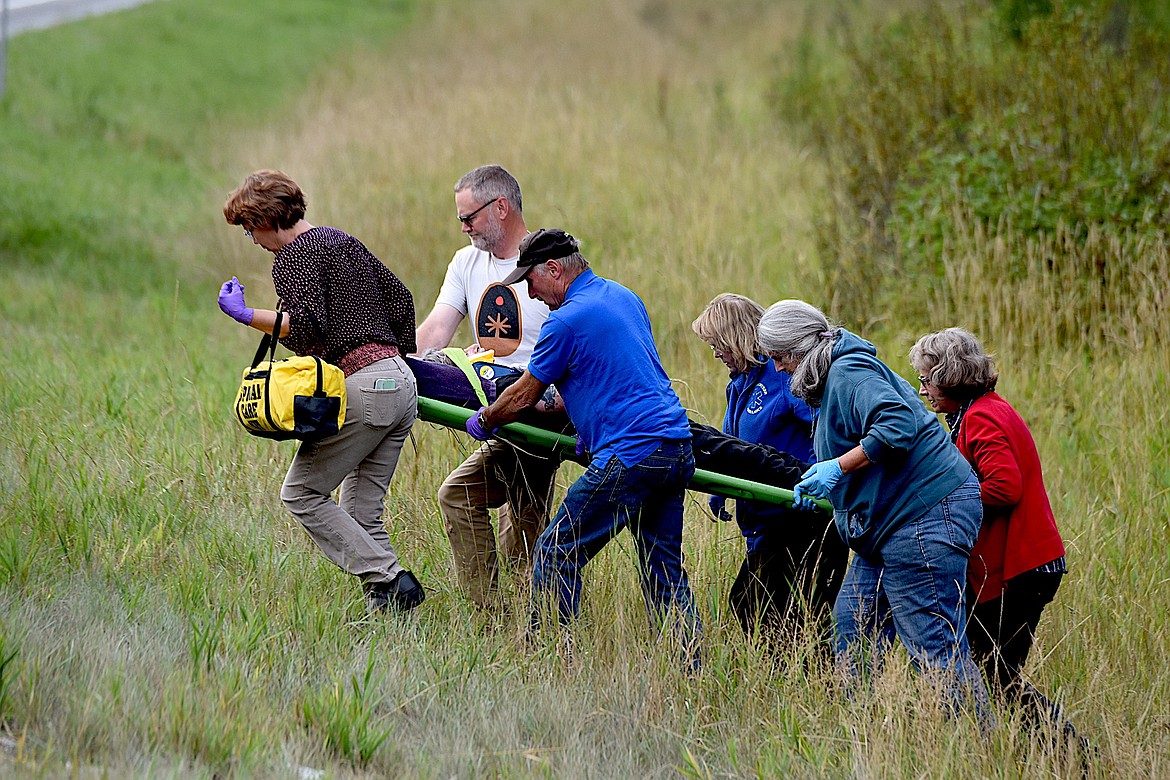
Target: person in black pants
x=794, y=561
x=1018, y=559
x=795, y=558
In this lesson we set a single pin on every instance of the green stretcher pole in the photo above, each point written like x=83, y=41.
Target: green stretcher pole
x=452, y=416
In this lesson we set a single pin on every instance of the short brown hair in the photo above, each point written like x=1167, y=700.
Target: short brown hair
x=267, y=199
x=729, y=324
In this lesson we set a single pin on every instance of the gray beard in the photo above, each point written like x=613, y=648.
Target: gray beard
x=489, y=240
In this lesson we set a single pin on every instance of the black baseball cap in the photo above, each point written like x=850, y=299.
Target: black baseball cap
x=544, y=244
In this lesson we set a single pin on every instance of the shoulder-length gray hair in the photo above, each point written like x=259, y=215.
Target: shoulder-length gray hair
x=953, y=360
x=795, y=330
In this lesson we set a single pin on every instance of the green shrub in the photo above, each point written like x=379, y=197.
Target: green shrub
x=1015, y=16
x=1060, y=128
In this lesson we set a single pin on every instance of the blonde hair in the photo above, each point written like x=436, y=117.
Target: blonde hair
x=729, y=324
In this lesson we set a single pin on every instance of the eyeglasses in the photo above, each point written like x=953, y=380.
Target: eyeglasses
x=923, y=380
x=466, y=219
x=247, y=233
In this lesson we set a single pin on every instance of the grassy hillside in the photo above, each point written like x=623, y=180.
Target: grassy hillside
x=162, y=615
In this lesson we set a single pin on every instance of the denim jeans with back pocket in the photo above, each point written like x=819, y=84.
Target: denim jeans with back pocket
x=648, y=498
x=913, y=588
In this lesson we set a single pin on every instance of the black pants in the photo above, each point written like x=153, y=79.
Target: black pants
x=1001, y=632
x=800, y=566
x=802, y=559
x=724, y=454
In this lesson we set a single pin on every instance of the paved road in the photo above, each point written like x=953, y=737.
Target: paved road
x=37, y=14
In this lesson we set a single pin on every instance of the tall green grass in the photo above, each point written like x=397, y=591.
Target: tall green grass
x=1017, y=185
x=1059, y=129
x=162, y=615
x=108, y=123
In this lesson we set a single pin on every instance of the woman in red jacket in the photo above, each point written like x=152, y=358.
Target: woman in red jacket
x=1018, y=559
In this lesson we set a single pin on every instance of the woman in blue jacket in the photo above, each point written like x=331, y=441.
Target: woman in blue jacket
x=794, y=561
x=905, y=499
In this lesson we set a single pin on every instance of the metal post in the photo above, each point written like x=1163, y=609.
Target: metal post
x=3, y=48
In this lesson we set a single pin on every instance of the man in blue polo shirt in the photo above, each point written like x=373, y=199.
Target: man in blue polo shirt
x=597, y=348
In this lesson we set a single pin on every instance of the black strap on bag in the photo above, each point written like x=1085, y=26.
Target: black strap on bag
x=268, y=344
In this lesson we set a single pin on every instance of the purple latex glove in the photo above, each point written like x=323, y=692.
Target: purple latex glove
x=475, y=427
x=579, y=450
x=817, y=482
x=718, y=506
x=231, y=302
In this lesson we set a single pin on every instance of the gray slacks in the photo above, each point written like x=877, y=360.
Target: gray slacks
x=361, y=459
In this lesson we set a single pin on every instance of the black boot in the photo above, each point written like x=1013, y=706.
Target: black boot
x=401, y=594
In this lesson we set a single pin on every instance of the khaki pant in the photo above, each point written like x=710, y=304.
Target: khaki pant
x=495, y=475
x=361, y=458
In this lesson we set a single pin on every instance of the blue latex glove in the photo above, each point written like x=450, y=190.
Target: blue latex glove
x=816, y=482
x=475, y=427
x=718, y=505
x=231, y=302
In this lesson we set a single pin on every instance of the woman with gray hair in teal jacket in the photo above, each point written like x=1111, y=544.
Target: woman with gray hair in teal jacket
x=905, y=500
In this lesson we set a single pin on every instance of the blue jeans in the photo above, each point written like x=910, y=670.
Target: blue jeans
x=913, y=588
x=647, y=497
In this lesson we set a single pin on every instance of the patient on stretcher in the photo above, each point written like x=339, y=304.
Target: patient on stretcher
x=439, y=379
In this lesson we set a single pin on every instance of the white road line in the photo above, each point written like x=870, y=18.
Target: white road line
x=24, y=15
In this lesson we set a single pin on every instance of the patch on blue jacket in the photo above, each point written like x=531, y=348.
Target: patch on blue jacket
x=755, y=404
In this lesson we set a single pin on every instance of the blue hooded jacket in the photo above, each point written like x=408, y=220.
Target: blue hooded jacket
x=761, y=409
x=913, y=463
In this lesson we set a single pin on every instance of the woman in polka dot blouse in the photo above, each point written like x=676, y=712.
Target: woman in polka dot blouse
x=344, y=305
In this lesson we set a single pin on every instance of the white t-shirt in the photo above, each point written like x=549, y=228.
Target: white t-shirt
x=503, y=318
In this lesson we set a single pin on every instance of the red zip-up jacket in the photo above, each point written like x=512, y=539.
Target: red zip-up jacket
x=1019, y=531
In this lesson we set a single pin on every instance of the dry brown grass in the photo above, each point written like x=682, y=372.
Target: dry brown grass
x=639, y=127
x=171, y=619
